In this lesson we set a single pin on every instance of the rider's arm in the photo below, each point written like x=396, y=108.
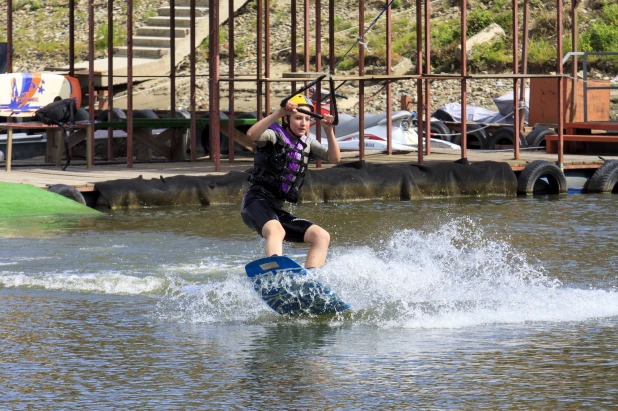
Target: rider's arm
x=261, y=126
x=334, y=154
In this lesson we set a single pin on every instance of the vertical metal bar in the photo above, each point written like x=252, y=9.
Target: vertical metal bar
x=524, y=64
x=317, y=98
x=259, y=60
x=192, y=74
x=331, y=36
x=427, y=71
x=419, y=82
x=9, y=147
x=318, y=35
x=110, y=77
x=516, y=112
x=91, y=90
x=173, y=56
x=293, y=41
x=267, y=54
x=361, y=83
x=389, y=88
x=9, y=41
x=585, y=88
x=230, y=125
x=464, y=84
x=72, y=36
x=560, y=89
x=306, y=35
x=331, y=44
x=575, y=47
x=129, y=83
x=213, y=86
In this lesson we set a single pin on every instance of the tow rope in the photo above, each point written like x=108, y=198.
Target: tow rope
x=331, y=81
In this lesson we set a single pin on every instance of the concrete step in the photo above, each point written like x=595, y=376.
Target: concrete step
x=183, y=11
x=147, y=41
x=187, y=3
x=164, y=21
x=150, y=31
x=142, y=52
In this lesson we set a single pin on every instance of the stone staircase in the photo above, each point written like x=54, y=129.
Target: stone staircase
x=152, y=41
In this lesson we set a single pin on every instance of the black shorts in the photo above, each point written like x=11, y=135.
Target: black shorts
x=259, y=206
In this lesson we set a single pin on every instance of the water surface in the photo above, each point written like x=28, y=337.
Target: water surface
x=470, y=303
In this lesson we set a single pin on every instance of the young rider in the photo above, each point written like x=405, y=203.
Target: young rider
x=281, y=159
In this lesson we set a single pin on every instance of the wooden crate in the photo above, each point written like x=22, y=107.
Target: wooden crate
x=544, y=101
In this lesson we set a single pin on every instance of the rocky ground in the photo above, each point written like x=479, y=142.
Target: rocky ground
x=51, y=29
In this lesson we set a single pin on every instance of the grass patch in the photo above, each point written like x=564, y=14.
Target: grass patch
x=119, y=35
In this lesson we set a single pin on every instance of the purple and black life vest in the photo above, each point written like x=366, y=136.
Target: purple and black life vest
x=281, y=168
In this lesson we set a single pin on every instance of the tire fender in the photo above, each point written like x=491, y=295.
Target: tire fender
x=605, y=179
x=537, y=169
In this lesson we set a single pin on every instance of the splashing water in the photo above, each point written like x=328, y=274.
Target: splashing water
x=455, y=276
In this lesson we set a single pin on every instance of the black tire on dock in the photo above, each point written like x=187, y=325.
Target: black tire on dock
x=441, y=130
x=117, y=114
x=68, y=192
x=605, y=179
x=477, y=137
x=536, y=138
x=529, y=181
x=147, y=113
x=204, y=135
x=81, y=115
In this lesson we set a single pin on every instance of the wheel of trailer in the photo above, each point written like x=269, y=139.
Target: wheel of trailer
x=536, y=138
x=68, y=192
x=541, y=177
x=477, y=137
x=440, y=131
x=503, y=136
x=605, y=179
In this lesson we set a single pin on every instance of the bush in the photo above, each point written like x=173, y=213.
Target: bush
x=478, y=20
x=603, y=37
x=490, y=56
x=610, y=14
x=119, y=36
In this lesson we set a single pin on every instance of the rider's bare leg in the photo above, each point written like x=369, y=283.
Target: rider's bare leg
x=319, y=239
x=273, y=233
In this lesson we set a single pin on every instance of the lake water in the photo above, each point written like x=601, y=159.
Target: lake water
x=495, y=303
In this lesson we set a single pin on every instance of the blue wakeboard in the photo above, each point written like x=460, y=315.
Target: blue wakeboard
x=283, y=284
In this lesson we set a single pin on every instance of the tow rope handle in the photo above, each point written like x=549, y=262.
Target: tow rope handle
x=331, y=83
x=300, y=110
x=333, y=99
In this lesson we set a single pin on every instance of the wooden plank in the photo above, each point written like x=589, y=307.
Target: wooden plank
x=593, y=125
x=155, y=143
x=551, y=141
x=240, y=138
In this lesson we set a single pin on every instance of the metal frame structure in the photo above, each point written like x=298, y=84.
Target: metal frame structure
x=423, y=76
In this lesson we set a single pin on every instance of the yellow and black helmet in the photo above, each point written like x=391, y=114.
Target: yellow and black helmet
x=302, y=101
